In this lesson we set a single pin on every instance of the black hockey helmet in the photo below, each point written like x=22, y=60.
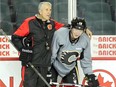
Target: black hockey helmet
x=78, y=23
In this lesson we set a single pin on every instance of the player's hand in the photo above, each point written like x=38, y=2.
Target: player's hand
x=88, y=32
x=92, y=80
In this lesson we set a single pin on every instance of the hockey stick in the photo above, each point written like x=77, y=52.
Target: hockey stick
x=30, y=64
x=68, y=84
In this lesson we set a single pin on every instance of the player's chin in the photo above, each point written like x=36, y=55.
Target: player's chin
x=76, y=37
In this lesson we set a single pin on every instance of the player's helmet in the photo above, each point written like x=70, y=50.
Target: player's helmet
x=78, y=23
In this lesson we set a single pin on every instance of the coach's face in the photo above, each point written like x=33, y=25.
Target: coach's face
x=45, y=12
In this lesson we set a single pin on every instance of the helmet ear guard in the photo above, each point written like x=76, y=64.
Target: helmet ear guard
x=78, y=23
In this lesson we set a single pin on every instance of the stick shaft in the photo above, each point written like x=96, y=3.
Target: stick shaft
x=68, y=84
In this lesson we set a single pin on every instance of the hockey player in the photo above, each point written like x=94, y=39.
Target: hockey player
x=68, y=46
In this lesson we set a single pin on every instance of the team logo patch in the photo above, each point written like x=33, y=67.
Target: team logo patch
x=49, y=26
x=68, y=57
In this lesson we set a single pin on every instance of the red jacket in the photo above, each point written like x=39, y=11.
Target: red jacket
x=41, y=33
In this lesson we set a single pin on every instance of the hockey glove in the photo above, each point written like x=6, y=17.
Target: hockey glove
x=27, y=41
x=49, y=74
x=25, y=55
x=92, y=80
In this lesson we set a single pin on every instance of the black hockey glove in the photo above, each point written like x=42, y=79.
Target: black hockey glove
x=49, y=74
x=92, y=80
x=26, y=51
x=27, y=41
x=25, y=55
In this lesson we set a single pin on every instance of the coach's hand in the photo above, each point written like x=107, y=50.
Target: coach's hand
x=25, y=55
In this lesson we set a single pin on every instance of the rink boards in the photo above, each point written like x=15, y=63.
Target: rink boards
x=103, y=49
